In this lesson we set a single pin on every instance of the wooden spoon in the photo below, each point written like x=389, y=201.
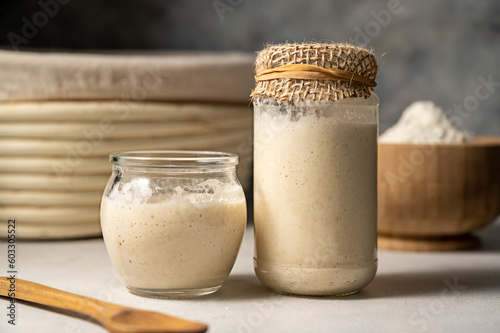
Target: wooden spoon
x=115, y=318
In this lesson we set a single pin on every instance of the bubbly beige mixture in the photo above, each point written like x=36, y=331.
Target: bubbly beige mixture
x=184, y=241
x=315, y=203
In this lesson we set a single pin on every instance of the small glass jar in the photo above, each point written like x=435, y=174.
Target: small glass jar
x=173, y=221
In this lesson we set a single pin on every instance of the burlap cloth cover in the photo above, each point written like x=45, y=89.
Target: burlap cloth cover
x=342, y=56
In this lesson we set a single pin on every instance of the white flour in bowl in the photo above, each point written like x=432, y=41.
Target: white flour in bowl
x=424, y=122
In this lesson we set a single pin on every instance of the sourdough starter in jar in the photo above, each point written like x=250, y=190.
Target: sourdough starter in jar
x=173, y=232
x=315, y=168
x=315, y=194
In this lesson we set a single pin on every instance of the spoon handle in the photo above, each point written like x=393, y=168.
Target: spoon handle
x=38, y=293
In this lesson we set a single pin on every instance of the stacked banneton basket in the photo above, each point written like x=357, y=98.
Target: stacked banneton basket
x=62, y=114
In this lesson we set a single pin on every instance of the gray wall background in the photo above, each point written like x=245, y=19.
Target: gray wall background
x=431, y=50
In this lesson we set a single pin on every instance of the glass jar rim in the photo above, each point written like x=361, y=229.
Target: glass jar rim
x=185, y=159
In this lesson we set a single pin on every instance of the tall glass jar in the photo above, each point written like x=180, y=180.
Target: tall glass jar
x=173, y=221
x=315, y=193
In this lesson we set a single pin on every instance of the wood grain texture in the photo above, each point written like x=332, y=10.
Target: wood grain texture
x=48, y=231
x=43, y=182
x=438, y=190
x=59, y=148
x=50, y=215
x=426, y=244
x=42, y=198
x=115, y=318
x=119, y=111
x=74, y=164
x=108, y=131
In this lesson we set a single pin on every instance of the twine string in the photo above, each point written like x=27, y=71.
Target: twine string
x=312, y=72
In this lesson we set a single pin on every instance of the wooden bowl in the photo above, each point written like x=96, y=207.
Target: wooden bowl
x=432, y=196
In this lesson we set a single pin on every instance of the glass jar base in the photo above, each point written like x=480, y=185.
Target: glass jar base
x=319, y=296
x=301, y=281
x=173, y=293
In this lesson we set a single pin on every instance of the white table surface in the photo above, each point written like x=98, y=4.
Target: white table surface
x=412, y=292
